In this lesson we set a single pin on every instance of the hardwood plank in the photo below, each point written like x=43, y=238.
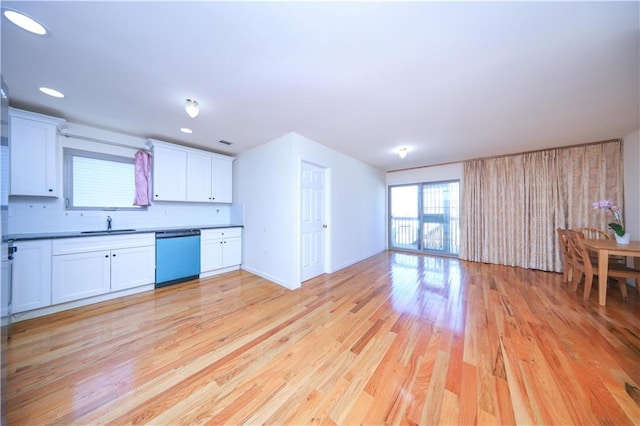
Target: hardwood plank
x=395, y=339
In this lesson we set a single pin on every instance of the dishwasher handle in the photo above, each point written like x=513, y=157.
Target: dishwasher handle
x=178, y=234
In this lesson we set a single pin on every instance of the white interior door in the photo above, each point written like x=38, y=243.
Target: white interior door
x=312, y=220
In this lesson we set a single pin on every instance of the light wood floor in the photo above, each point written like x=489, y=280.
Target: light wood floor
x=395, y=339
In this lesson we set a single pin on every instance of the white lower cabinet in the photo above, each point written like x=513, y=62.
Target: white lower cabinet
x=90, y=266
x=31, y=275
x=133, y=267
x=81, y=275
x=232, y=252
x=220, y=248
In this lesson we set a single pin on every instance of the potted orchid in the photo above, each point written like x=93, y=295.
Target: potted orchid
x=622, y=236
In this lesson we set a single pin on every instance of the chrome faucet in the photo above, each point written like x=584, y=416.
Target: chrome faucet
x=109, y=223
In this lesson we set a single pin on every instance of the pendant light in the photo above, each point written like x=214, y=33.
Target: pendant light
x=192, y=107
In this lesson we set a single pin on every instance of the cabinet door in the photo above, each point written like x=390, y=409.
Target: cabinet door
x=169, y=174
x=132, y=267
x=232, y=252
x=33, y=158
x=198, y=177
x=210, y=254
x=31, y=281
x=80, y=275
x=222, y=180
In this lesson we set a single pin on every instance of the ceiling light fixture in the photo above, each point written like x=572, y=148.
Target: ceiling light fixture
x=25, y=22
x=402, y=152
x=192, y=107
x=52, y=92
x=186, y=130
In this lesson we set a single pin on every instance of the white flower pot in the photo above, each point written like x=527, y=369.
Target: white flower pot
x=624, y=239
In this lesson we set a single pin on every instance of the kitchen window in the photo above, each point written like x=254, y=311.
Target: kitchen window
x=97, y=181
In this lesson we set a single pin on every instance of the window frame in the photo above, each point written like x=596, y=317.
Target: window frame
x=421, y=216
x=67, y=184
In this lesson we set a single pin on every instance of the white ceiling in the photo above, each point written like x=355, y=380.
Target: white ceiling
x=451, y=81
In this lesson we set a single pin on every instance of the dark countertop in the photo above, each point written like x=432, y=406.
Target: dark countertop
x=74, y=234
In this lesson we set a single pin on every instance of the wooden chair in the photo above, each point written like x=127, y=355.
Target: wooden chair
x=593, y=233
x=567, y=258
x=583, y=265
x=598, y=234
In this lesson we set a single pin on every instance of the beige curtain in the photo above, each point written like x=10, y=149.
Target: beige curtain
x=512, y=205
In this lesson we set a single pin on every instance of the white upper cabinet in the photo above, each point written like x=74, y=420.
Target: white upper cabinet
x=199, y=177
x=169, y=173
x=33, y=153
x=186, y=174
x=222, y=180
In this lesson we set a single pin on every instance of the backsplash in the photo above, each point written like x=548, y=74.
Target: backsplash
x=32, y=214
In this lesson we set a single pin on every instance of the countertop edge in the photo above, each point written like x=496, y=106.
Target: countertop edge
x=76, y=234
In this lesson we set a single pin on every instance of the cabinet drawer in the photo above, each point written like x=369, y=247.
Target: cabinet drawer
x=221, y=233
x=106, y=242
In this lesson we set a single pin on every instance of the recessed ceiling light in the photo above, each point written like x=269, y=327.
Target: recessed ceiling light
x=185, y=130
x=52, y=92
x=25, y=22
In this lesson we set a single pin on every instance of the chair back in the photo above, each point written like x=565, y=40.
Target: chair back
x=593, y=233
x=579, y=252
x=563, y=238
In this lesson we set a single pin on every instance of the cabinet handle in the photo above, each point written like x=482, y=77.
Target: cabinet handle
x=50, y=190
x=106, y=255
x=156, y=195
x=114, y=255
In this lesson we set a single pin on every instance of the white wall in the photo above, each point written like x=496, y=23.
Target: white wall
x=36, y=214
x=267, y=182
x=263, y=181
x=356, y=222
x=632, y=185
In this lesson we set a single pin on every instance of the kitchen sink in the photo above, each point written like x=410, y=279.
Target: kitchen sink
x=113, y=231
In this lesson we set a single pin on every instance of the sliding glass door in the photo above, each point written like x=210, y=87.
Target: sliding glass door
x=425, y=217
x=405, y=216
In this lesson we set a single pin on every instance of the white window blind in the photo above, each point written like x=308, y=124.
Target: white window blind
x=98, y=181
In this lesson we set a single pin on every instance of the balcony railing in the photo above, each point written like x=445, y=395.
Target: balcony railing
x=437, y=237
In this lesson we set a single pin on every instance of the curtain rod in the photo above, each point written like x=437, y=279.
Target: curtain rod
x=491, y=157
x=90, y=139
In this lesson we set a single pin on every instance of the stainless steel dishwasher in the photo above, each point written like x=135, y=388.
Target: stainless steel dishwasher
x=177, y=256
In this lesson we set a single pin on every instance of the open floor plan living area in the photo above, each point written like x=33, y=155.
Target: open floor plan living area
x=318, y=212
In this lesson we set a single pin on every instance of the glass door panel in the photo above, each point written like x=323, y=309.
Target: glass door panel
x=440, y=217
x=404, y=217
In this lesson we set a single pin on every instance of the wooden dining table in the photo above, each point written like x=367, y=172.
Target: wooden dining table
x=606, y=248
